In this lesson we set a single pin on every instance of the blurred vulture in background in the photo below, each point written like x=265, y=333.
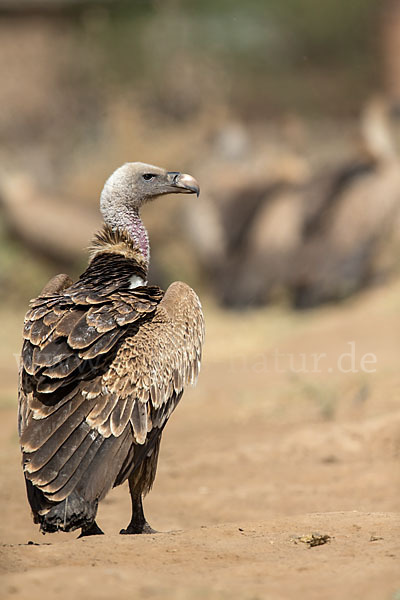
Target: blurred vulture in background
x=311, y=237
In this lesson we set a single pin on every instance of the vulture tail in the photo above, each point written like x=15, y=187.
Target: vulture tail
x=72, y=513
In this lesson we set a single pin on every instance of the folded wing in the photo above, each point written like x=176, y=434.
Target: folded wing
x=100, y=375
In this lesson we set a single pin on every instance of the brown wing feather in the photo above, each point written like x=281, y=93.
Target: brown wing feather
x=154, y=366
x=56, y=284
x=127, y=356
x=63, y=358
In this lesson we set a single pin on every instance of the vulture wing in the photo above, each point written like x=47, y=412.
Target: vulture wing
x=101, y=371
x=152, y=368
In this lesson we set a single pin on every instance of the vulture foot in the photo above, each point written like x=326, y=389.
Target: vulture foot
x=136, y=529
x=93, y=529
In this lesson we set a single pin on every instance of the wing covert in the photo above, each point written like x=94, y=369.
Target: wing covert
x=152, y=368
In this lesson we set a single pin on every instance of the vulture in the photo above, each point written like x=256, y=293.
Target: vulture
x=104, y=363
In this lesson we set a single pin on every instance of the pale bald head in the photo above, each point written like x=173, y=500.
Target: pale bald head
x=136, y=183
x=131, y=186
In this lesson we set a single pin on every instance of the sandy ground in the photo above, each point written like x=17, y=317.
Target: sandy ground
x=274, y=445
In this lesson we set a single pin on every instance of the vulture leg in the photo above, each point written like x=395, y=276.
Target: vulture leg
x=93, y=529
x=140, y=482
x=138, y=522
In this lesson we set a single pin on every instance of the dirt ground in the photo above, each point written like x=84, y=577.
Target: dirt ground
x=293, y=430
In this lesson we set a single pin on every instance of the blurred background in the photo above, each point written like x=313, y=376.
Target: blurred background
x=288, y=114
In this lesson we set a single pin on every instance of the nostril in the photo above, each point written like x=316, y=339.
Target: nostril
x=174, y=176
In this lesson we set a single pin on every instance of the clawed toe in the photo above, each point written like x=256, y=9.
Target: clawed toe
x=132, y=530
x=148, y=529
x=94, y=529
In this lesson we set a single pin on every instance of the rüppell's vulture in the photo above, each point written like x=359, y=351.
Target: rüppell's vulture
x=104, y=363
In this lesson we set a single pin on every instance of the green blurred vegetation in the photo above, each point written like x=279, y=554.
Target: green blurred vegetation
x=260, y=57
x=177, y=58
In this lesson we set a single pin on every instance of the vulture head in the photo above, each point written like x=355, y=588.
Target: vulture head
x=134, y=184
x=130, y=187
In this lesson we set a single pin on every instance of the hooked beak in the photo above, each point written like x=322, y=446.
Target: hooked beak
x=183, y=182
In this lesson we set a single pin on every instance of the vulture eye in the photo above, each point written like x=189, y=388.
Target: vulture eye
x=148, y=176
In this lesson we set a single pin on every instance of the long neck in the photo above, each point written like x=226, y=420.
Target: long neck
x=128, y=219
x=138, y=233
